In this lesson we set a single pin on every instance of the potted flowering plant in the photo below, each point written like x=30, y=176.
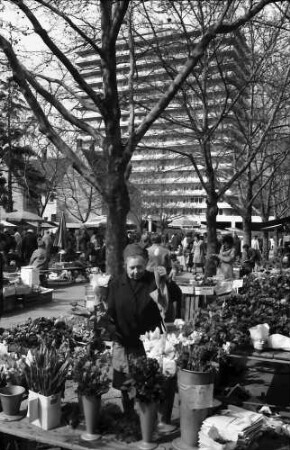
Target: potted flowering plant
x=146, y=384
x=12, y=369
x=46, y=371
x=12, y=382
x=91, y=372
x=198, y=354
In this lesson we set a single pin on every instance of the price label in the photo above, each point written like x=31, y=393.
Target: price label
x=187, y=290
x=238, y=283
x=198, y=396
x=204, y=290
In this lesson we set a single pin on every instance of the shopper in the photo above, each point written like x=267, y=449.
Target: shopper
x=29, y=244
x=198, y=251
x=39, y=260
x=226, y=258
x=249, y=259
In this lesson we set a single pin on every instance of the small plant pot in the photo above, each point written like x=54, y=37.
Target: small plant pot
x=147, y=416
x=91, y=410
x=11, y=398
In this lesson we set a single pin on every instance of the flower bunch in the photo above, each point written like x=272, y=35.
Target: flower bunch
x=91, y=371
x=196, y=350
x=46, y=371
x=145, y=380
x=11, y=369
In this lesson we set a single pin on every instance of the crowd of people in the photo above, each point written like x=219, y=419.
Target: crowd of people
x=22, y=247
x=188, y=251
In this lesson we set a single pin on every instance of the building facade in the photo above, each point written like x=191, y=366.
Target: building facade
x=162, y=169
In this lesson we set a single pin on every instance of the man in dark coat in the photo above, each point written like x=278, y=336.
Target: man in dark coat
x=29, y=244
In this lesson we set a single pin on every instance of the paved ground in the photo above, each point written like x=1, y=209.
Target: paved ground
x=60, y=306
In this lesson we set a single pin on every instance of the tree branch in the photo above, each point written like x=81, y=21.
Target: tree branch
x=60, y=55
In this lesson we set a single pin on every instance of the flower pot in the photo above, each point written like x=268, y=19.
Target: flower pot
x=165, y=407
x=11, y=398
x=91, y=410
x=196, y=397
x=147, y=414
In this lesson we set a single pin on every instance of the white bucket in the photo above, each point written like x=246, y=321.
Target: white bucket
x=29, y=276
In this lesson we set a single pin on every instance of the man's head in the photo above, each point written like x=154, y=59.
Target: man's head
x=228, y=241
x=40, y=243
x=136, y=259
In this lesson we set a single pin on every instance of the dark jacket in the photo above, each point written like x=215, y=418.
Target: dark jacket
x=131, y=309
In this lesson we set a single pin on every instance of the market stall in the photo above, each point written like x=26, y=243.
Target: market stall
x=21, y=289
x=222, y=327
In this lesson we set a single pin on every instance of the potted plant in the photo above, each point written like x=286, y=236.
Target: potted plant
x=145, y=383
x=11, y=383
x=46, y=371
x=198, y=356
x=158, y=346
x=91, y=372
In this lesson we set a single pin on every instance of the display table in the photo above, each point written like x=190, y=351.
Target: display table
x=271, y=356
x=11, y=302
x=64, y=437
x=65, y=274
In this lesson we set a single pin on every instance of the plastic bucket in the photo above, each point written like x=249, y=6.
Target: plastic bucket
x=11, y=398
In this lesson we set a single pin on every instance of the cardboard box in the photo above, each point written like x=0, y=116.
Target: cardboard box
x=44, y=412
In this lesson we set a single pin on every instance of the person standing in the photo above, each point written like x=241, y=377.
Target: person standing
x=255, y=243
x=47, y=239
x=158, y=255
x=249, y=259
x=226, y=258
x=132, y=312
x=18, y=243
x=175, y=241
x=238, y=245
x=29, y=244
x=198, y=251
x=39, y=261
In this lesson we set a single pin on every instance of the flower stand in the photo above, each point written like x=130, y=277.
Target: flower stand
x=91, y=410
x=147, y=416
x=196, y=397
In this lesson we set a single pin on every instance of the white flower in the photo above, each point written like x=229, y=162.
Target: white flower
x=168, y=367
x=179, y=323
x=227, y=347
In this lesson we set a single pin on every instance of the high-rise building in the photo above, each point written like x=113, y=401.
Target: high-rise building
x=164, y=175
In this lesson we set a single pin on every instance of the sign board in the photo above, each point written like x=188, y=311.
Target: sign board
x=187, y=290
x=224, y=287
x=238, y=283
x=204, y=290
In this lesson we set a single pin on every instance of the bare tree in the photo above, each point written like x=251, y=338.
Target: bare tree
x=107, y=171
x=265, y=125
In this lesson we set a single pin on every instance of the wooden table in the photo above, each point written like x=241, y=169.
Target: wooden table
x=10, y=303
x=64, y=437
x=269, y=355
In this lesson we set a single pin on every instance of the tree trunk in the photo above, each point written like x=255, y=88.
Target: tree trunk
x=247, y=222
x=211, y=214
x=118, y=204
x=265, y=245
